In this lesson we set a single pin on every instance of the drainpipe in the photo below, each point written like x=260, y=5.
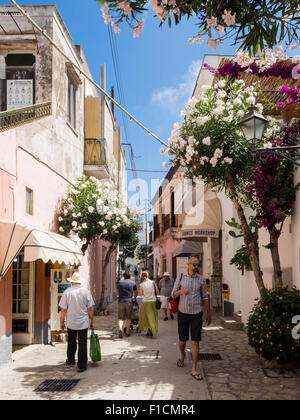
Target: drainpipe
x=2, y=83
x=102, y=84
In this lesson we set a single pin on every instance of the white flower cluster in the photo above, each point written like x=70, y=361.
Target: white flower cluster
x=266, y=59
x=101, y=209
x=223, y=104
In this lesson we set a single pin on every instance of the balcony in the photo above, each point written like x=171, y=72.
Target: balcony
x=95, y=160
x=18, y=117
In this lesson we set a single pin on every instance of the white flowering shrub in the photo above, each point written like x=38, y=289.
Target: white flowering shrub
x=210, y=143
x=93, y=210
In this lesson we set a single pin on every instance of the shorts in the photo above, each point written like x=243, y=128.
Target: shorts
x=185, y=321
x=165, y=304
x=125, y=310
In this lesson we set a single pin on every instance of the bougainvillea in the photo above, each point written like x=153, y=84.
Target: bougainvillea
x=293, y=95
x=272, y=188
x=277, y=69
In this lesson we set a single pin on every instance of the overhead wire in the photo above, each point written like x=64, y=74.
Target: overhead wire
x=79, y=69
x=118, y=74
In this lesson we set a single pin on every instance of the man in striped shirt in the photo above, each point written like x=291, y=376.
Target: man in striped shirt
x=191, y=288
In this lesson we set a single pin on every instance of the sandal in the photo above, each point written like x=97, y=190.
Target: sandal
x=197, y=376
x=180, y=363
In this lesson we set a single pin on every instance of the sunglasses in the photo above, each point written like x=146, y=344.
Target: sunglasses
x=196, y=265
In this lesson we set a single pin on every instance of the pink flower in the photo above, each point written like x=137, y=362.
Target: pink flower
x=213, y=161
x=212, y=22
x=227, y=160
x=206, y=141
x=165, y=165
x=212, y=43
x=125, y=6
x=138, y=29
x=116, y=29
x=220, y=29
x=228, y=18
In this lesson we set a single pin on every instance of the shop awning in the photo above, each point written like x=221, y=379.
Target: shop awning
x=186, y=248
x=37, y=244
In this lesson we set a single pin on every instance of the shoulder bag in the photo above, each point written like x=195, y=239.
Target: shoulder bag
x=158, y=302
x=174, y=303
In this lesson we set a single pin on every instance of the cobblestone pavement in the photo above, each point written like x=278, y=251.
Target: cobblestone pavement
x=240, y=375
x=133, y=368
x=143, y=368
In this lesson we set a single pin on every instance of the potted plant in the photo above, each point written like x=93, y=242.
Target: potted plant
x=270, y=326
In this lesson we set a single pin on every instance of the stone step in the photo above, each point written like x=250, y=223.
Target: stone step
x=231, y=323
x=237, y=316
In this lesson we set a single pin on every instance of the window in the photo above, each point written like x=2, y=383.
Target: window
x=29, y=201
x=72, y=88
x=21, y=275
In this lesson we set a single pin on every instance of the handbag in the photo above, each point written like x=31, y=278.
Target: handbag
x=158, y=302
x=95, y=350
x=174, y=303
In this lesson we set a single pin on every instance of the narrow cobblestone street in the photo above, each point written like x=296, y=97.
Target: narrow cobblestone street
x=142, y=368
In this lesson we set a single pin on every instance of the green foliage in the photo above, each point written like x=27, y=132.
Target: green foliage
x=241, y=259
x=140, y=252
x=270, y=325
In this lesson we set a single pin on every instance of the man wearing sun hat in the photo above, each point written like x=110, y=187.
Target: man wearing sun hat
x=166, y=286
x=77, y=306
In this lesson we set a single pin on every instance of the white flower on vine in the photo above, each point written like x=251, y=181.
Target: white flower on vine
x=206, y=141
x=227, y=160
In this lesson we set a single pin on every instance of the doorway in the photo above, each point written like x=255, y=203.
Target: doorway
x=23, y=301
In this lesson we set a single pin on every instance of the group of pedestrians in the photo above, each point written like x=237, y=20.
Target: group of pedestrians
x=189, y=289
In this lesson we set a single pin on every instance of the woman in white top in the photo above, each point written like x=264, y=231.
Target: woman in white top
x=148, y=320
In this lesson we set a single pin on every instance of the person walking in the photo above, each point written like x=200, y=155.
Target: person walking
x=148, y=313
x=77, y=306
x=127, y=290
x=191, y=288
x=165, y=286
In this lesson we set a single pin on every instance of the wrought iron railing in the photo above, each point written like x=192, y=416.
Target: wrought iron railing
x=95, y=152
x=17, y=117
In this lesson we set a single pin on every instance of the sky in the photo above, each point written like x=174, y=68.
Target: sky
x=159, y=70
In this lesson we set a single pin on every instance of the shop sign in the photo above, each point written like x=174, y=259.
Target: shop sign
x=199, y=233
x=19, y=94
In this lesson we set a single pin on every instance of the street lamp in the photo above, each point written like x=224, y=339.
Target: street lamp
x=253, y=126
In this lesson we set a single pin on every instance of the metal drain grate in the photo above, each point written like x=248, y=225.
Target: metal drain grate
x=57, y=385
x=209, y=356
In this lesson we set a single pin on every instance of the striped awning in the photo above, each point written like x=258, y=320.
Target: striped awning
x=37, y=244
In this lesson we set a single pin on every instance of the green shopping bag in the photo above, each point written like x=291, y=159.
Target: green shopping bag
x=95, y=351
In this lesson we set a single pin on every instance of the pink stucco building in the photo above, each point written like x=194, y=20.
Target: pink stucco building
x=44, y=147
